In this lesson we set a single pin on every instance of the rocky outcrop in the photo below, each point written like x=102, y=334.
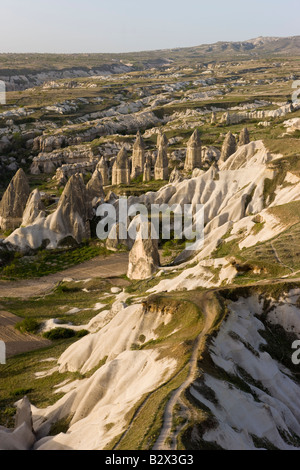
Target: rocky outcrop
x=14, y=201
x=66, y=171
x=114, y=241
x=147, y=174
x=143, y=258
x=48, y=162
x=48, y=143
x=176, y=176
x=120, y=171
x=161, y=170
x=72, y=215
x=95, y=187
x=34, y=208
x=103, y=168
x=138, y=157
x=244, y=138
x=22, y=437
x=229, y=147
x=194, y=152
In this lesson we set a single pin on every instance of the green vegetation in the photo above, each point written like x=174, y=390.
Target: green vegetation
x=64, y=333
x=47, y=262
x=28, y=325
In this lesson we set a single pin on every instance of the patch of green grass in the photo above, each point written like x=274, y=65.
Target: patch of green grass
x=18, y=379
x=60, y=301
x=28, y=325
x=47, y=262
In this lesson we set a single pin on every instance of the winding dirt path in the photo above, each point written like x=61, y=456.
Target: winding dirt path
x=209, y=313
x=100, y=267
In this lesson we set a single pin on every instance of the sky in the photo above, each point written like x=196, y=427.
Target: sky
x=82, y=26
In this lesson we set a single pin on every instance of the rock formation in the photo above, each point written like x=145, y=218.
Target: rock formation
x=120, y=172
x=114, y=242
x=143, y=258
x=147, y=176
x=161, y=170
x=162, y=140
x=34, y=208
x=95, y=186
x=72, y=215
x=103, y=168
x=22, y=437
x=138, y=157
x=229, y=147
x=194, y=152
x=244, y=138
x=213, y=118
x=14, y=201
x=175, y=176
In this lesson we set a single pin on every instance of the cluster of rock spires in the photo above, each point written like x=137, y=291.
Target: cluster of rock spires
x=76, y=206
x=125, y=169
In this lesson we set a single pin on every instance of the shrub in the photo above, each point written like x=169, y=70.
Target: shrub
x=64, y=333
x=59, y=333
x=29, y=325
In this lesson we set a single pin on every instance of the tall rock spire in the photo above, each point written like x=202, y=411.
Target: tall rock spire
x=229, y=147
x=161, y=170
x=138, y=156
x=194, y=152
x=244, y=138
x=120, y=172
x=14, y=201
x=103, y=168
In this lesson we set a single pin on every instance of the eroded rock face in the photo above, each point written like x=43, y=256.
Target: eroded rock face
x=229, y=147
x=161, y=170
x=143, y=258
x=22, y=437
x=14, y=201
x=138, y=157
x=34, y=208
x=194, y=152
x=120, y=172
x=71, y=218
x=103, y=168
x=244, y=137
x=147, y=176
x=95, y=186
x=175, y=176
x=114, y=241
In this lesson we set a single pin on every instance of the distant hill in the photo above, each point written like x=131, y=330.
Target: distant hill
x=59, y=66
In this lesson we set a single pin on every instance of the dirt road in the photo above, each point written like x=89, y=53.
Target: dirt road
x=16, y=342
x=100, y=267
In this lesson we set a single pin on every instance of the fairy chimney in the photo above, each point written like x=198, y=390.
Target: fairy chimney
x=120, y=171
x=244, y=138
x=194, y=152
x=161, y=170
x=138, y=156
x=14, y=201
x=147, y=170
x=95, y=186
x=229, y=147
x=103, y=168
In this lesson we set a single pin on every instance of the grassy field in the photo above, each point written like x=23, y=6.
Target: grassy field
x=46, y=262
